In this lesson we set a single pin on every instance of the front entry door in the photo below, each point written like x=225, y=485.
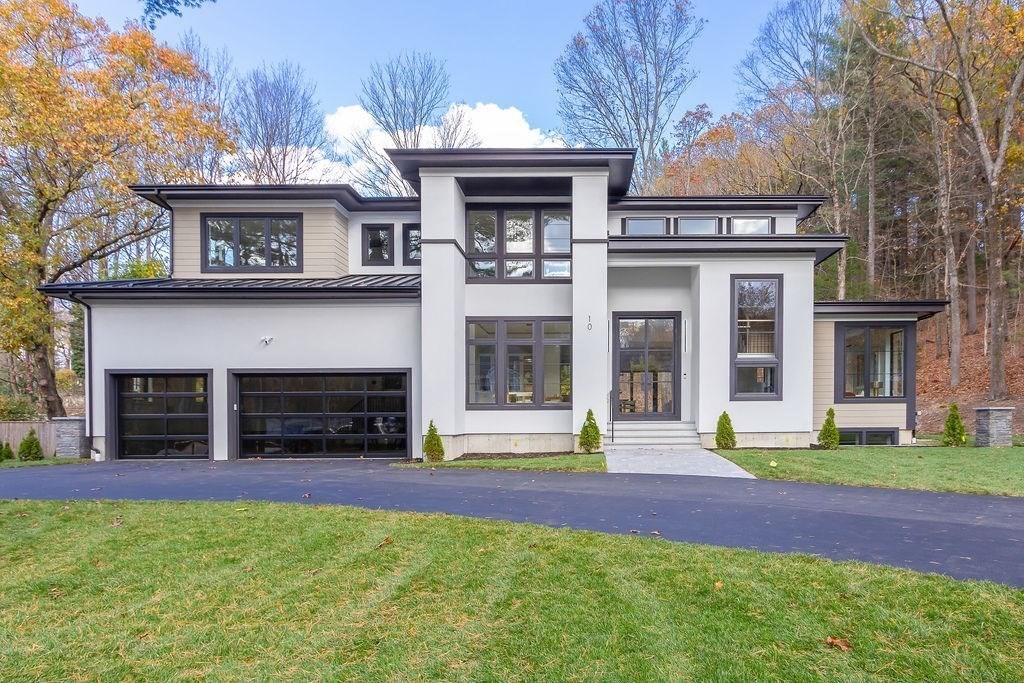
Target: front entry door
x=647, y=366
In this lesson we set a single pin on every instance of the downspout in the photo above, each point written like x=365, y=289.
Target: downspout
x=89, y=406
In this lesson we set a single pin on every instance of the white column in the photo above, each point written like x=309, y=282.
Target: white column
x=590, y=380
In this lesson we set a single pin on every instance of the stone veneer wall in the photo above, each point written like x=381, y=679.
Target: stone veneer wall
x=993, y=426
x=70, y=437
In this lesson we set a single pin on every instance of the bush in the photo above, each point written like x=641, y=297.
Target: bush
x=590, y=435
x=30, y=448
x=433, y=448
x=67, y=380
x=828, y=437
x=6, y=452
x=954, y=433
x=725, y=437
x=17, y=408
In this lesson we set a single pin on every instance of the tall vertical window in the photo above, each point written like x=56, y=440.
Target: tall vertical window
x=756, y=339
x=379, y=245
x=411, y=254
x=518, y=244
x=252, y=243
x=519, y=362
x=873, y=361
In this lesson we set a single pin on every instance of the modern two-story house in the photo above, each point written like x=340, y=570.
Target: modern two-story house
x=520, y=289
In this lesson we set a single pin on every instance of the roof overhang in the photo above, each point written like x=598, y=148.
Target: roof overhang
x=348, y=287
x=910, y=309
x=618, y=162
x=346, y=195
x=822, y=246
x=805, y=206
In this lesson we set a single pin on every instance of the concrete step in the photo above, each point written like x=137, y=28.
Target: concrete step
x=631, y=433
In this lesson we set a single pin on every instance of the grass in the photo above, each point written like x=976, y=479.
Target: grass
x=254, y=591
x=8, y=464
x=566, y=462
x=994, y=471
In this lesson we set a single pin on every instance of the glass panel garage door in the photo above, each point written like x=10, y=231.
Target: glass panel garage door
x=162, y=416
x=338, y=415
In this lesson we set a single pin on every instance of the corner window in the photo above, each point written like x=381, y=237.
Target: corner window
x=379, y=245
x=645, y=226
x=873, y=361
x=251, y=243
x=411, y=254
x=518, y=244
x=756, y=372
x=747, y=225
x=519, y=363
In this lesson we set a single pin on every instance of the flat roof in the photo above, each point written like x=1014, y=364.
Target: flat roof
x=346, y=195
x=618, y=161
x=918, y=308
x=348, y=287
x=805, y=205
x=821, y=245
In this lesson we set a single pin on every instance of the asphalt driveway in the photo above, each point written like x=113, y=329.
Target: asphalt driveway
x=966, y=537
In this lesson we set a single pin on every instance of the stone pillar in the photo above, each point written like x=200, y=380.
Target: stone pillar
x=993, y=426
x=70, y=437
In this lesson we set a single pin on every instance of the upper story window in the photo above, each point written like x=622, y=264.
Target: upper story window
x=697, y=226
x=379, y=245
x=756, y=372
x=645, y=226
x=873, y=361
x=653, y=226
x=251, y=243
x=518, y=244
x=411, y=253
x=749, y=225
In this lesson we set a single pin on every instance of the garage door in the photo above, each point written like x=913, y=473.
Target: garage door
x=336, y=415
x=162, y=416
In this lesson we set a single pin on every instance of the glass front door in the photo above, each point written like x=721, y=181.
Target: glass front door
x=646, y=367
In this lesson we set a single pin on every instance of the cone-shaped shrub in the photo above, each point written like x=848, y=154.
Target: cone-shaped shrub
x=954, y=433
x=725, y=437
x=433, y=448
x=590, y=435
x=6, y=452
x=30, y=448
x=828, y=437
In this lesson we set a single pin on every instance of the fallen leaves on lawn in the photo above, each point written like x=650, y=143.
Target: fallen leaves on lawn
x=387, y=541
x=840, y=643
x=241, y=509
x=248, y=569
x=719, y=585
x=314, y=572
x=655, y=533
x=307, y=495
x=117, y=522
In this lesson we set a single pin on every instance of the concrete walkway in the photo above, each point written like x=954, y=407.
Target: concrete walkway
x=695, y=462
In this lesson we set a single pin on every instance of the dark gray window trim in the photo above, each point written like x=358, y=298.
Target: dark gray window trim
x=664, y=219
x=677, y=316
x=365, y=244
x=407, y=260
x=734, y=362
x=111, y=443
x=500, y=343
x=233, y=393
x=862, y=433
x=909, y=367
x=204, y=260
x=697, y=217
x=499, y=255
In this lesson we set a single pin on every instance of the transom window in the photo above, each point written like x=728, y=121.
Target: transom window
x=251, y=243
x=379, y=245
x=757, y=321
x=519, y=244
x=519, y=363
x=646, y=226
x=750, y=225
x=873, y=361
x=697, y=226
x=653, y=226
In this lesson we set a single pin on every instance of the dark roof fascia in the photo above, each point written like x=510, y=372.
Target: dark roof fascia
x=165, y=288
x=346, y=195
x=922, y=309
x=823, y=246
x=805, y=205
x=619, y=161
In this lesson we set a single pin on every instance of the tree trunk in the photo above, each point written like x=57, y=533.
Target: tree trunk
x=972, y=284
x=872, y=197
x=42, y=369
x=943, y=173
x=996, y=297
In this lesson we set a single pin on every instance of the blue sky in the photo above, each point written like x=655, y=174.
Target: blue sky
x=497, y=52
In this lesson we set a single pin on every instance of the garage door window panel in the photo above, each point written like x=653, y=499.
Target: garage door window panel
x=161, y=416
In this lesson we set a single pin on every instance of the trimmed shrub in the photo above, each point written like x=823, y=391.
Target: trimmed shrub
x=828, y=437
x=590, y=434
x=954, y=433
x=725, y=437
x=30, y=448
x=6, y=452
x=433, y=448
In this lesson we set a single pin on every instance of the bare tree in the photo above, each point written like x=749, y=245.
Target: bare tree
x=211, y=95
x=407, y=98
x=279, y=126
x=620, y=79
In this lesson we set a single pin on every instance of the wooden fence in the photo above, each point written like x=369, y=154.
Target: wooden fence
x=14, y=432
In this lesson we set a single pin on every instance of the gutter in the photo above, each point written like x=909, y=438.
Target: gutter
x=89, y=407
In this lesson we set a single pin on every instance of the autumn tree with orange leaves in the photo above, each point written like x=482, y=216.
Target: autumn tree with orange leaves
x=84, y=111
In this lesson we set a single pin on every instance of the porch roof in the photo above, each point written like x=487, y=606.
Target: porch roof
x=920, y=309
x=822, y=246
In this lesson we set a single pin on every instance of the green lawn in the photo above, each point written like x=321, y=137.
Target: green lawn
x=253, y=591
x=5, y=464
x=998, y=471
x=566, y=462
